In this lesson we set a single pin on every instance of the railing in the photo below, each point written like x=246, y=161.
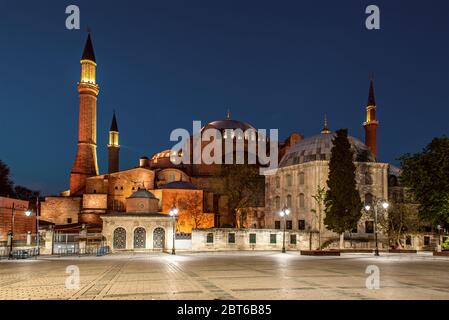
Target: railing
x=72, y=250
x=18, y=253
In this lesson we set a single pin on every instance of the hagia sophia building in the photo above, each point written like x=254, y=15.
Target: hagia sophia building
x=130, y=207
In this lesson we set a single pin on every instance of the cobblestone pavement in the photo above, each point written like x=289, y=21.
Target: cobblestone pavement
x=239, y=275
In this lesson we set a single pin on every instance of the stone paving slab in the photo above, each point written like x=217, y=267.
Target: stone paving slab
x=227, y=275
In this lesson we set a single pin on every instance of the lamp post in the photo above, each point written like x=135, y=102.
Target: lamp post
x=284, y=213
x=12, y=230
x=174, y=213
x=11, y=233
x=439, y=238
x=385, y=206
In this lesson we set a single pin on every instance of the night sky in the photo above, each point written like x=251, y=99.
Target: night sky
x=162, y=64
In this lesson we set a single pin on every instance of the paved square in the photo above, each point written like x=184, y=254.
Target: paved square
x=236, y=275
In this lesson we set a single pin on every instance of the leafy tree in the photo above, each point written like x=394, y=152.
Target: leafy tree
x=192, y=204
x=320, y=198
x=6, y=185
x=400, y=219
x=427, y=174
x=343, y=203
x=7, y=188
x=24, y=193
x=243, y=187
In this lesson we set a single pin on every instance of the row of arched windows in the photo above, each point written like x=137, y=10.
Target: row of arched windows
x=289, y=180
x=289, y=201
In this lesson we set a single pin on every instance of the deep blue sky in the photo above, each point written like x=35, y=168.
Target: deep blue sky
x=162, y=64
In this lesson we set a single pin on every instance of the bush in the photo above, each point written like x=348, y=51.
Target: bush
x=445, y=245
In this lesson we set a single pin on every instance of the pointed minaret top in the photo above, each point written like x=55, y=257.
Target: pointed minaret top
x=371, y=98
x=325, y=129
x=88, y=52
x=228, y=115
x=114, y=126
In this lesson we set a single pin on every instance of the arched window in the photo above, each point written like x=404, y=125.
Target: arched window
x=301, y=178
x=289, y=201
x=117, y=205
x=277, y=202
x=159, y=238
x=119, y=241
x=289, y=180
x=278, y=182
x=140, y=236
x=302, y=203
x=369, y=198
x=368, y=178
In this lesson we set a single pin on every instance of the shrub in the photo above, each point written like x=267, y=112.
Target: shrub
x=445, y=245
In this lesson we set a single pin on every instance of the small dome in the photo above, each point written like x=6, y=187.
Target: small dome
x=142, y=194
x=319, y=148
x=179, y=185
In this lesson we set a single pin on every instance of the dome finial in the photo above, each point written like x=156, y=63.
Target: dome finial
x=325, y=129
x=228, y=114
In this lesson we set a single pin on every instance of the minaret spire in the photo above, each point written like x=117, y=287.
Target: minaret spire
x=88, y=52
x=371, y=124
x=113, y=147
x=325, y=129
x=228, y=114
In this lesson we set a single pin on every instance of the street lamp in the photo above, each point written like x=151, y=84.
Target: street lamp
x=385, y=206
x=174, y=213
x=284, y=213
x=28, y=213
x=439, y=237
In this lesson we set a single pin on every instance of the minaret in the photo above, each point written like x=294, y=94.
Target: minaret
x=113, y=147
x=85, y=164
x=371, y=124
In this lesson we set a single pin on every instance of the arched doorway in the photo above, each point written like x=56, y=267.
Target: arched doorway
x=119, y=238
x=158, y=238
x=140, y=238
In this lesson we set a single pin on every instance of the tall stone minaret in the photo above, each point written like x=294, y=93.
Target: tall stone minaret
x=113, y=147
x=371, y=124
x=85, y=164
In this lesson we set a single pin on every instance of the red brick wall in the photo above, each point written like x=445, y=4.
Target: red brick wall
x=22, y=223
x=59, y=209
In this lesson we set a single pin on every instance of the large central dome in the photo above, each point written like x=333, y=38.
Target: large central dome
x=319, y=148
x=228, y=124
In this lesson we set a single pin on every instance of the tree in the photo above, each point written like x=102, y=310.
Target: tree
x=400, y=219
x=191, y=204
x=243, y=187
x=6, y=185
x=343, y=203
x=319, y=197
x=427, y=175
x=24, y=193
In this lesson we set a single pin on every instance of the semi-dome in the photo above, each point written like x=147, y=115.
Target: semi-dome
x=319, y=148
x=142, y=194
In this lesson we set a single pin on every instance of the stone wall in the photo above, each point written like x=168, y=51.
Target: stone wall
x=295, y=186
x=190, y=205
x=59, y=210
x=130, y=223
x=294, y=240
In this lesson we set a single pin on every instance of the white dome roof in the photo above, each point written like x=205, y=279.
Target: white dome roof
x=319, y=148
